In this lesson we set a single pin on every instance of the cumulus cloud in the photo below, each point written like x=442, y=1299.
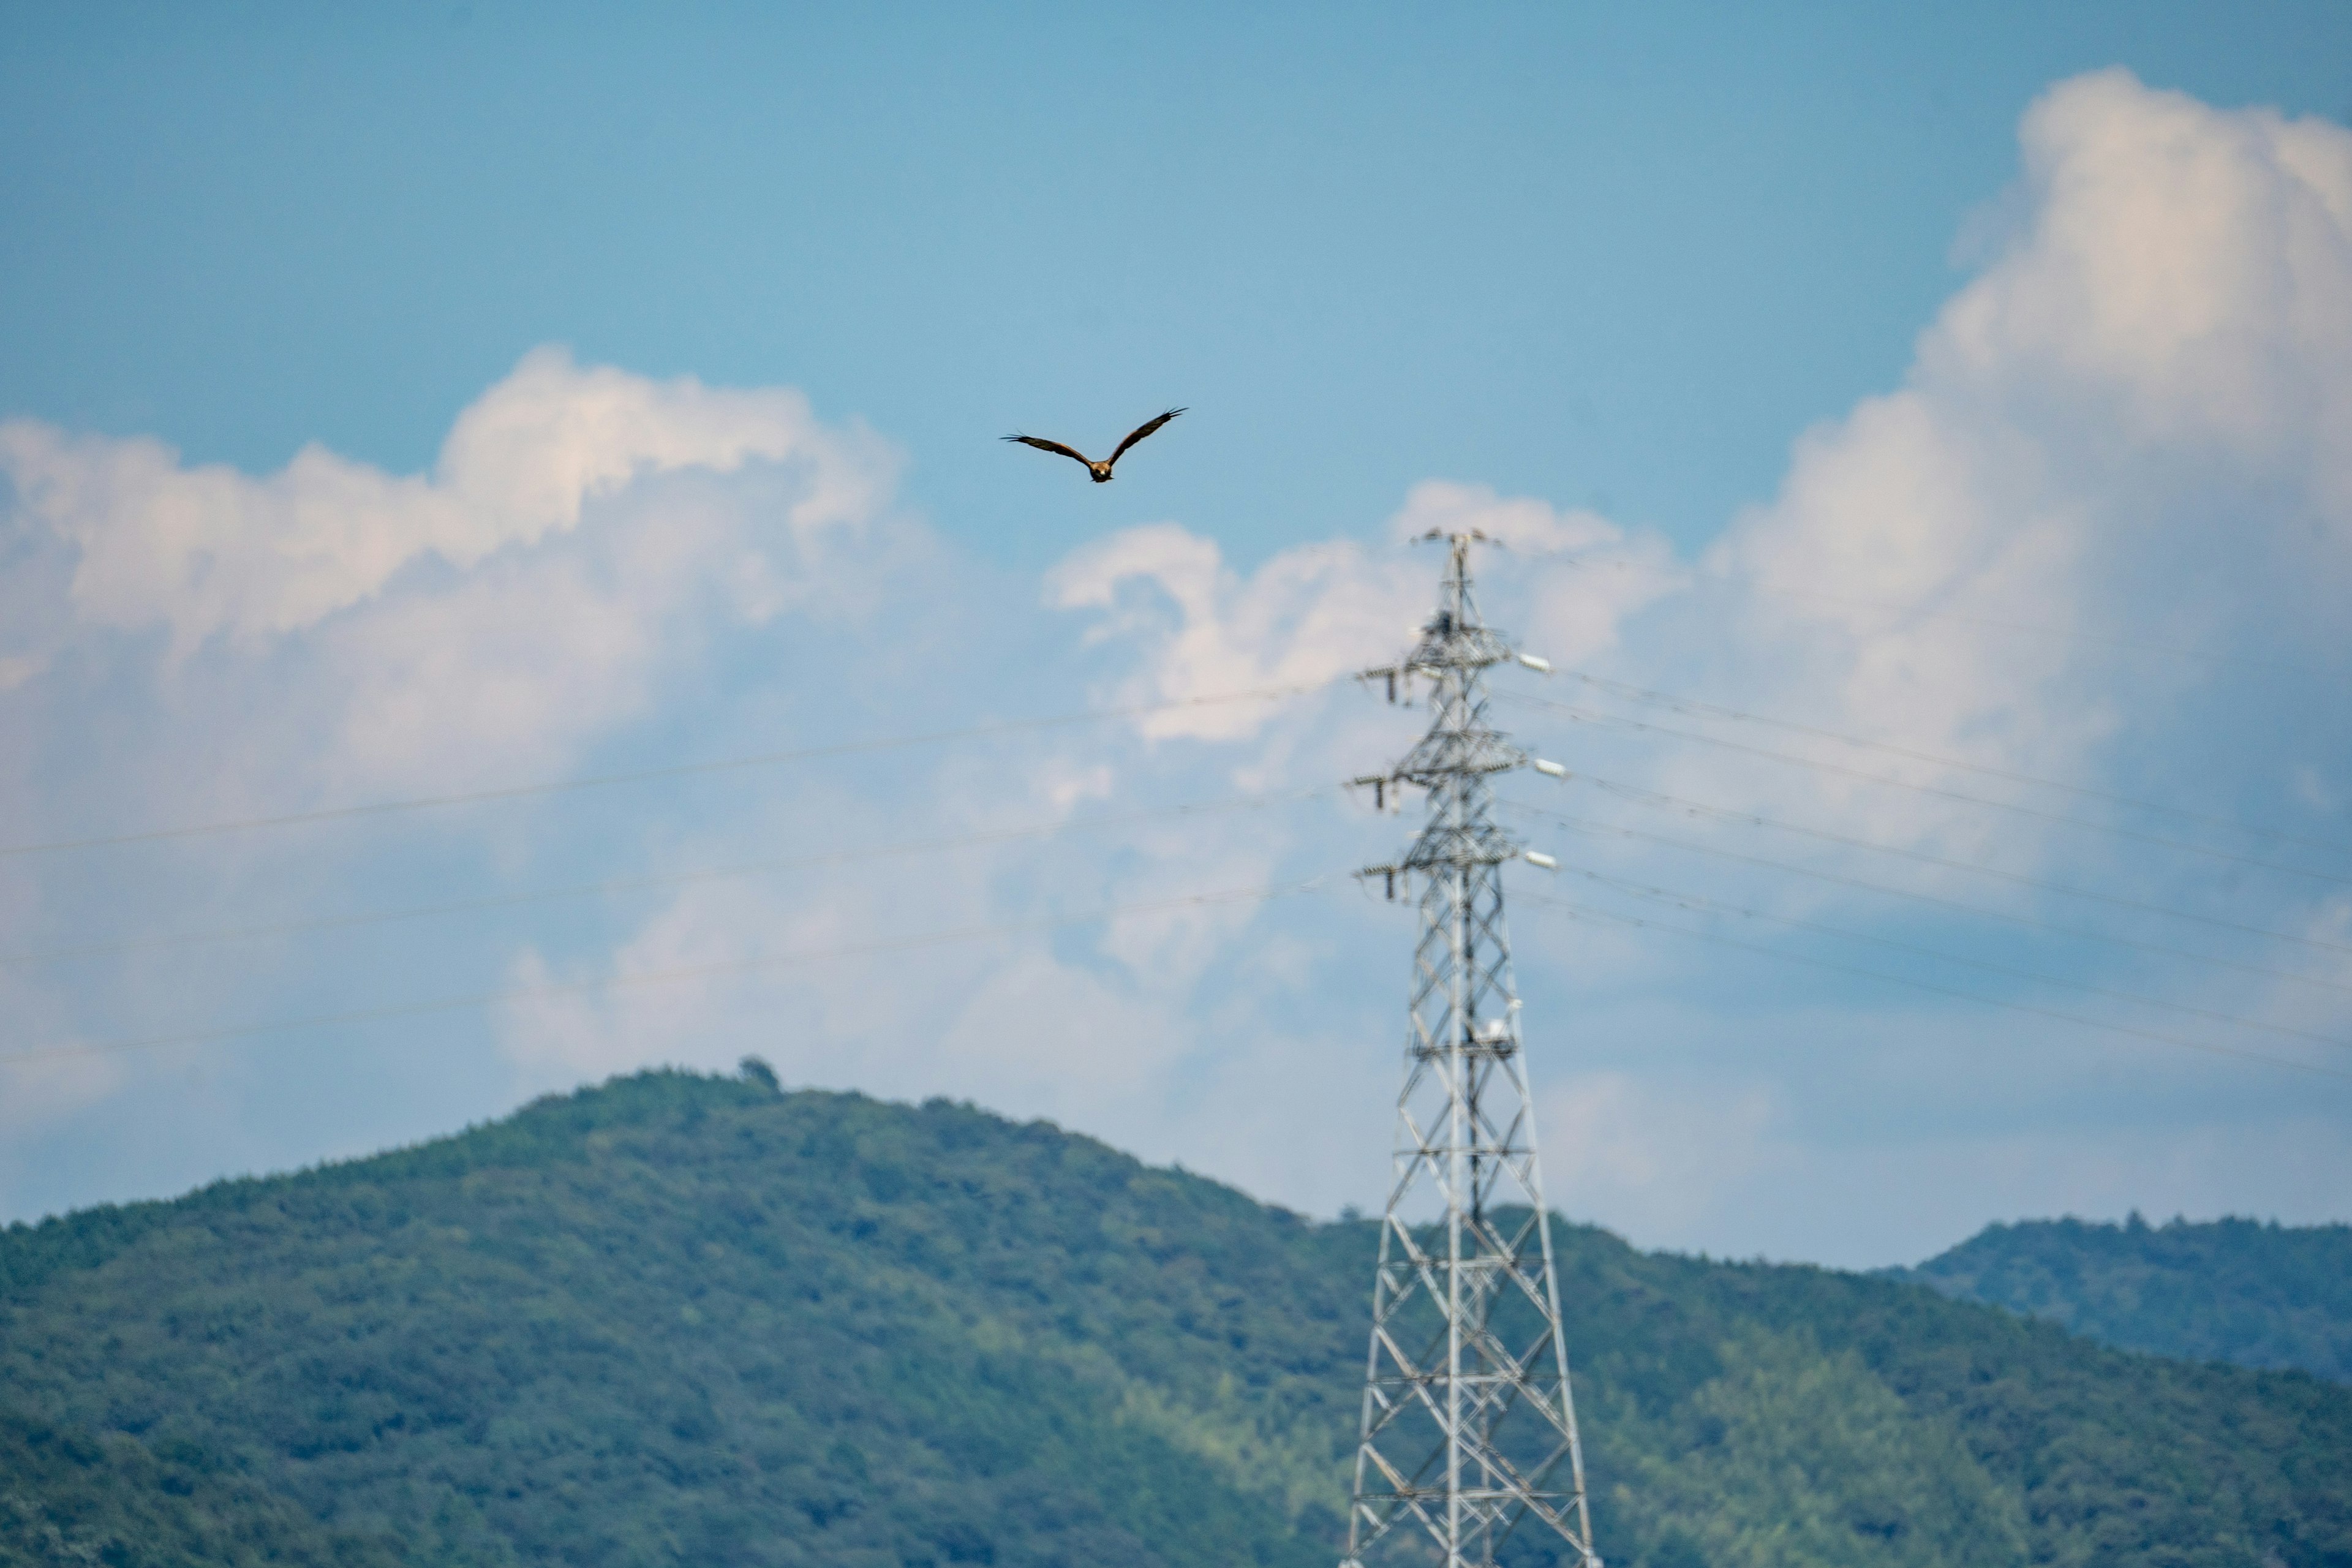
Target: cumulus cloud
x=2128, y=432
x=2100, y=534
x=187, y=642
x=208, y=550
x=1044, y=972
x=1304, y=619
x=2121, y=458
x=2131, y=434
x=1320, y=611
x=502, y=609
x=1657, y=1154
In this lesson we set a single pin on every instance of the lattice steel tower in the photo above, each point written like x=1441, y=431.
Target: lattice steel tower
x=1469, y=1432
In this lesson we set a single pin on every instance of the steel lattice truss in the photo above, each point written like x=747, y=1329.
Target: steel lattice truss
x=1469, y=1431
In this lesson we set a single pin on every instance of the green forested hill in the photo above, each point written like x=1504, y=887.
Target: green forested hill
x=2231, y=1289
x=689, y=1321
x=78, y=1497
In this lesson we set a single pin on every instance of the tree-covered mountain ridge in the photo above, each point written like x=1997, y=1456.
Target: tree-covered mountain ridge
x=2255, y=1293
x=683, y=1320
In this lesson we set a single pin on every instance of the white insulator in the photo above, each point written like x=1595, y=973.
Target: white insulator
x=1550, y=770
x=1540, y=665
x=1537, y=858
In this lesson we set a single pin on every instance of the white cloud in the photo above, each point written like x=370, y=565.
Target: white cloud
x=198, y=644
x=1316, y=612
x=2129, y=429
x=1661, y=1157
x=2101, y=535
x=1063, y=1042
x=2186, y=269
x=34, y=1092
x=209, y=550
x=1036, y=1003
x=335, y=629
x=2135, y=429
x=1309, y=615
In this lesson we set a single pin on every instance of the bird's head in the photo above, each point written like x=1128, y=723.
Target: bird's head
x=1101, y=472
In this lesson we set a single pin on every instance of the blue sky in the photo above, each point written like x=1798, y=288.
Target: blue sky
x=1581, y=255
x=1765, y=310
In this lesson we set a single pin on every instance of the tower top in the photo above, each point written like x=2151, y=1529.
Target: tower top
x=1452, y=654
x=1455, y=637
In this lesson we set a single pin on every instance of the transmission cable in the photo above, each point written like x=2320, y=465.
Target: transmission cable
x=2029, y=628
x=1261, y=894
x=1698, y=904
x=633, y=884
x=1617, y=721
x=1697, y=707
x=1585, y=825
x=676, y=770
x=1586, y=912
x=1692, y=808
x=1625, y=563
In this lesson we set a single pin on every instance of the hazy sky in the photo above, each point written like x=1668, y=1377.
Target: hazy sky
x=397, y=405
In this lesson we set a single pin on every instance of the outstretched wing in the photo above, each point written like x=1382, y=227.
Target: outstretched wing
x=1044, y=446
x=1146, y=429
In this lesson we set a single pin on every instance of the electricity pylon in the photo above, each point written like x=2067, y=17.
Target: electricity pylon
x=1469, y=1431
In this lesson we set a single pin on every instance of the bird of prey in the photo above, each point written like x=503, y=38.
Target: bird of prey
x=1101, y=471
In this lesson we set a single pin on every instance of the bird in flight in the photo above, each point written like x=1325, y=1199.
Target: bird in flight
x=1101, y=471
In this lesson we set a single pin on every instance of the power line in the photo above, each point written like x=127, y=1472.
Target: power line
x=1617, y=721
x=1978, y=910
x=1676, y=803
x=1997, y=623
x=664, y=976
x=641, y=775
x=1699, y=903
x=2119, y=645
x=1697, y=706
x=1584, y=912
x=633, y=884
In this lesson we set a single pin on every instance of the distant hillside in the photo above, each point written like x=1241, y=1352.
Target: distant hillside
x=69, y=1497
x=2234, y=1289
x=689, y=1321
